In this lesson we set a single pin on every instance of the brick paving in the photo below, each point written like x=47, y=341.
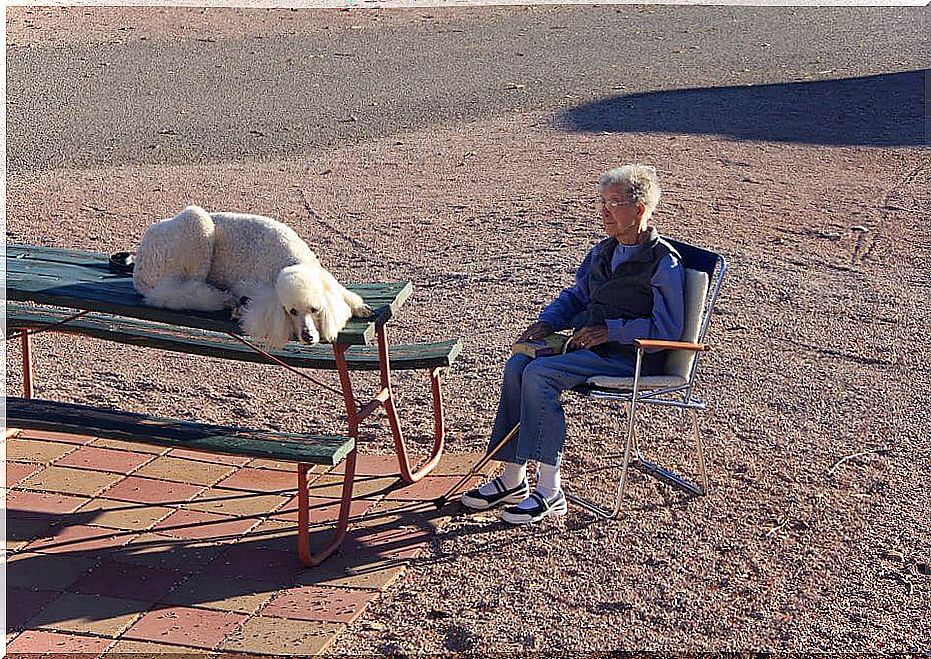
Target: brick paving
x=116, y=548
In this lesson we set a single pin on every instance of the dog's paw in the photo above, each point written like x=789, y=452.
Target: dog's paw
x=363, y=311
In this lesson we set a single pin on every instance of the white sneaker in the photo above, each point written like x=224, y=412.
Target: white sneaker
x=536, y=509
x=475, y=500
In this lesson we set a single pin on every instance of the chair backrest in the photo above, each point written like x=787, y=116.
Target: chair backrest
x=679, y=362
x=704, y=272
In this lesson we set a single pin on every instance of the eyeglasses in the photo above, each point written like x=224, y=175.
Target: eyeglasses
x=613, y=204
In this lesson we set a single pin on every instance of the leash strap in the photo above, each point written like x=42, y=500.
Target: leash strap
x=122, y=262
x=274, y=359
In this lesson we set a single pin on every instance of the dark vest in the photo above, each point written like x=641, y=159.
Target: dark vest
x=624, y=293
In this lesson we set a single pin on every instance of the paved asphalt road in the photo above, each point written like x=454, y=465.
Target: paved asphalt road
x=598, y=68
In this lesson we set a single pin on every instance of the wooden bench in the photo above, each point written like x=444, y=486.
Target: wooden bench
x=303, y=449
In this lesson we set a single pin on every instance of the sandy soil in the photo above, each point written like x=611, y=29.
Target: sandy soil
x=819, y=352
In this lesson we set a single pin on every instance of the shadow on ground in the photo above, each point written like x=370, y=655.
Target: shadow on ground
x=110, y=573
x=881, y=110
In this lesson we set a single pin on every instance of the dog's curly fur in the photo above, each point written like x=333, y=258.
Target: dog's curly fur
x=210, y=261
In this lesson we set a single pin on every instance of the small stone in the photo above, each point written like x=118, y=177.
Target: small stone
x=923, y=569
x=893, y=555
x=374, y=626
x=437, y=614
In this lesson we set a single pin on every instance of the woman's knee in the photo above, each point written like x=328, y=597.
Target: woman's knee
x=537, y=375
x=515, y=366
x=538, y=368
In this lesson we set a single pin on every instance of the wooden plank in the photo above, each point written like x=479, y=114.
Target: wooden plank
x=118, y=297
x=33, y=414
x=88, y=268
x=192, y=341
x=54, y=254
x=82, y=280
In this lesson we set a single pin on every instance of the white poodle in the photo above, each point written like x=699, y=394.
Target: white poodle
x=210, y=261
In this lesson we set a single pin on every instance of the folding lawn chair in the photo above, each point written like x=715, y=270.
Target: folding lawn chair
x=704, y=272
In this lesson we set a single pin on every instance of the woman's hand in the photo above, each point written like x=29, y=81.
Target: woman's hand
x=536, y=331
x=589, y=337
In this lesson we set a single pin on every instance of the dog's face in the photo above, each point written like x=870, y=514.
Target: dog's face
x=303, y=301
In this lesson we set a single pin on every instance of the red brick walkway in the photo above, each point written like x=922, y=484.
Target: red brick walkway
x=117, y=548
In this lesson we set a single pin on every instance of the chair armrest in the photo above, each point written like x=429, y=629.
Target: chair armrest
x=670, y=345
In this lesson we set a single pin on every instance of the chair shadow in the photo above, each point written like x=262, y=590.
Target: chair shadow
x=880, y=110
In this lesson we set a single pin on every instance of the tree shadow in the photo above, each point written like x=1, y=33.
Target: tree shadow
x=880, y=110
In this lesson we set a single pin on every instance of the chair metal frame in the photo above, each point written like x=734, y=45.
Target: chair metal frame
x=678, y=396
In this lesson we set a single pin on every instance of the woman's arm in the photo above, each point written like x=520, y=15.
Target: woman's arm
x=560, y=312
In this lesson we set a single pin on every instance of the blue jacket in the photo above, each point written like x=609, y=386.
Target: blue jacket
x=667, y=283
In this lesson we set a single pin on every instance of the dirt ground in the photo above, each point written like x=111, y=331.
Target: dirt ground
x=819, y=353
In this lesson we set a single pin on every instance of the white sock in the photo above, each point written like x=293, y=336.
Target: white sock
x=514, y=475
x=548, y=484
x=548, y=481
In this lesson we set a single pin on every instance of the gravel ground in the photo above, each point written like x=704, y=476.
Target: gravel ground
x=819, y=353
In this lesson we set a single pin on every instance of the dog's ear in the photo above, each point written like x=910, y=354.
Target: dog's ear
x=265, y=319
x=327, y=324
x=334, y=314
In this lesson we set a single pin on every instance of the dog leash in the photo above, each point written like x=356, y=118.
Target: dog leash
x=122, y=262
x=45, y=328
x=276, y=360
x=441, y=500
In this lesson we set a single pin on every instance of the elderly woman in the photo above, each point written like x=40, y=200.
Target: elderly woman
x=630, y=286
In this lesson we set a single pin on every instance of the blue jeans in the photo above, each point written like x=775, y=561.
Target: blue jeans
x=530, y=394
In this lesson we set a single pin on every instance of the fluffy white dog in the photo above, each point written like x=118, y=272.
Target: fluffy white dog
x=210, y=261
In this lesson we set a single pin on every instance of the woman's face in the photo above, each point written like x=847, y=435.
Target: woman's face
x=620, y=216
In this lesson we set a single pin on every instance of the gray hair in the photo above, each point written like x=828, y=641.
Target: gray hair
x=638, y=182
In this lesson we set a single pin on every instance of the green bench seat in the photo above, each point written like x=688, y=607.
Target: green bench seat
x=440, y=354
x=34, y=414
x=303, y=449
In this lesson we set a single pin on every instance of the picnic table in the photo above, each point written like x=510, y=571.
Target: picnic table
x=79, y=292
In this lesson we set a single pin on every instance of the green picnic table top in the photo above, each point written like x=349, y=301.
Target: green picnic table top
x=82, y=280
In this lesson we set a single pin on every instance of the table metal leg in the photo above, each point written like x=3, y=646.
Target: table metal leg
x=309, y=559
x=25, y=335
x=396, y=432
x=303, y=499
x=26, y=342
